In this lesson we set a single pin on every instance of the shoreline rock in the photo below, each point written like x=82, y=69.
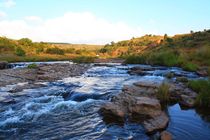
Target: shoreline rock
x=4, y=65
x=43, y=73
x=137, y=107
x=139, y=103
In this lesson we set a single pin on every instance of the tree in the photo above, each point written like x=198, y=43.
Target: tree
x=25, y=42
x=20, y=52
x=165, y=36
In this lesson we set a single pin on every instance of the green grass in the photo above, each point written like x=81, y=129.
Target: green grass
x=32, y=66
x=163, y=92
x=83, y=59
x=202, y=87
x=190, y=66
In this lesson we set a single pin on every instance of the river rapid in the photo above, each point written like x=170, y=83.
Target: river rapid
x=68, y=108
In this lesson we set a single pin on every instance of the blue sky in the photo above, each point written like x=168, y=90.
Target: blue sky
x=113, y=19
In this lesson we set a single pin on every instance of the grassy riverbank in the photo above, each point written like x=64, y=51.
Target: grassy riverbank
x=189, y=51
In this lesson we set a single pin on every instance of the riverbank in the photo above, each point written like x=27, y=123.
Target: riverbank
x=41, y=73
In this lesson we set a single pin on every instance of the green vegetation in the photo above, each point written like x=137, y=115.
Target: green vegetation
x=190, y=67
x=182, y=79
x=20, y=52
x=55, y=51
x=170, y=75
x=32, y=66
x=26, y=50
x=163, y=92
x=83, y=59
x=189, y=51
x=202, y=87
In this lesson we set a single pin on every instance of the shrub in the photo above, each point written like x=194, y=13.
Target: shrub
x=190, y=67
x=135, y=59
x=182, y=79
x=203, y=99
x=170, y=75
x=70, y=50
x=39, y=50
x=166, y=58
x=25, y=42
x=199, y=85
x=83, y=59
x=163, y=92
x=20, y=52
x=55, y=51
x=202, y=87
x=32, y=66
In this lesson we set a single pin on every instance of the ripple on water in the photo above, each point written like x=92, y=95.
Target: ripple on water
x=187, y=124
x=68, y=109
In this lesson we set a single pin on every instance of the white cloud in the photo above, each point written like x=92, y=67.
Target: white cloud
x=2, y=15
x=8, y=3
x=72, y=27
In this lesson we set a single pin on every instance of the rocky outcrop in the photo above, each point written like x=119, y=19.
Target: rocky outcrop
x=4, y=65
x=139, y=103
x=182, y=94
x=135, y=104
x=43, y=73
x=58, y=71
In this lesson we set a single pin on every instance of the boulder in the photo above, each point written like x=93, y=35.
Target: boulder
x=144, y=110
x=156, y=123
x=202, y=72
x=4, y=65
x=182, y=94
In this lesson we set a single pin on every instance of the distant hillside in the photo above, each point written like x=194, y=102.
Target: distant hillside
x=26, y=50
x=189, y=51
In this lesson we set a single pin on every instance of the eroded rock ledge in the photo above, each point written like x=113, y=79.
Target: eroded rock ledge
x=43, y=73
x=139, y=103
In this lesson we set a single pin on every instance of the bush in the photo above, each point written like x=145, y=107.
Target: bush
x=182, y=79
x=203, y=99
x=25, y=42
x=163, y=92
x=170, y=75
x=6, y=45
x=190, y=67
x=202, y=87
x=20, y=52
x=32, y=66
x=199, y=85
x=39, y=50
x=83, y=59
x=55, y=51
x=135, y=60
x=167, y=58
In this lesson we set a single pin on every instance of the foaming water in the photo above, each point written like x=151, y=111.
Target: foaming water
x=68, y=109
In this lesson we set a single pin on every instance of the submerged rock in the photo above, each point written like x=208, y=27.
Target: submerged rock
x=165, y=135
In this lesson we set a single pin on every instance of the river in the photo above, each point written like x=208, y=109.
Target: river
x=68, y=109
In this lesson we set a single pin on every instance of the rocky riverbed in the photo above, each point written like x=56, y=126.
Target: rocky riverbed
x=98, y=101
x=42, y=73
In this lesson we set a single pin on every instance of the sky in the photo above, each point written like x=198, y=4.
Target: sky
x=100, y=21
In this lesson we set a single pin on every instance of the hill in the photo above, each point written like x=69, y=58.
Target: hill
x=26, y=50
x=189, y=51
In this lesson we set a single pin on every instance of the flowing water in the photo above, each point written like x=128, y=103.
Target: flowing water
x=68, y=109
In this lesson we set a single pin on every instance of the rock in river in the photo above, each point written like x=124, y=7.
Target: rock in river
x=139, y=109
